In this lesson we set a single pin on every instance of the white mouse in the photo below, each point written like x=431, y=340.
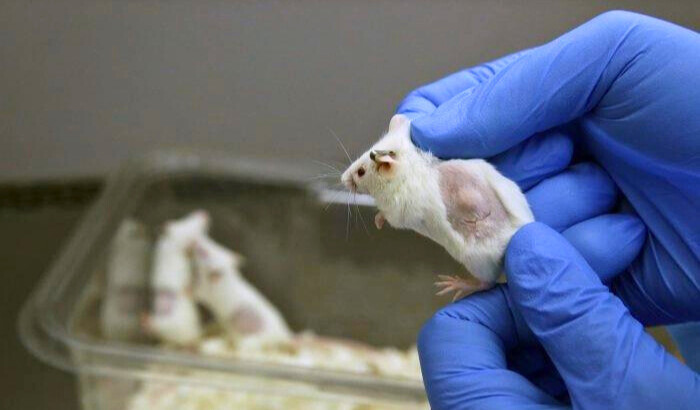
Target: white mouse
x=240, y=308
x=174, y=317
x=187, y=228
x=466, y=206
x=126, y=282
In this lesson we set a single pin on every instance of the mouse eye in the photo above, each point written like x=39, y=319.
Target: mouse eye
x=360, y=172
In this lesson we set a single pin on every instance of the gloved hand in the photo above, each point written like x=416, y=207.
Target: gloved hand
x=623, y=88
x=553, y=336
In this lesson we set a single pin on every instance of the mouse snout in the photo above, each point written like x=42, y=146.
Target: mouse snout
x=348, y=181
x=352, y=177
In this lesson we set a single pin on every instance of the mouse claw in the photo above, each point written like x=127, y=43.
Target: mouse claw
x=379, y=220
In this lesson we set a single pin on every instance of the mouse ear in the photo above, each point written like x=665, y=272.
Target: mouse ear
x=383, y=159
x=398, y=121
x=385, y=164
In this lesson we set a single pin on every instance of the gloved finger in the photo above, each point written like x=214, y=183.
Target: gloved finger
x=659, y=297
x=660, y=288
x=535, y=159
x=602, y=353
x=462, y=351
x=425, y=99
x=541, y=89
x=575, y=195
x=609, y=243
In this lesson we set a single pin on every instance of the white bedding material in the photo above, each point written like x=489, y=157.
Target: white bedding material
x=306, y=350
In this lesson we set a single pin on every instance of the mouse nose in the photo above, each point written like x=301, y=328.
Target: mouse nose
x=372, y=155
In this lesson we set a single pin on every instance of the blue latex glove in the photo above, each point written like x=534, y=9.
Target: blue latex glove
x=623, y=88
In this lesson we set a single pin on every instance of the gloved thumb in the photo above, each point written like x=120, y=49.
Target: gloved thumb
x=603, y=354
x=543, y=88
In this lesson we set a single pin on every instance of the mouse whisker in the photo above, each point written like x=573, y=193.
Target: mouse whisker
x=347, y=225
x=357, y=210
x=327, y=175
x=327, y=165
x=341, y=145
x=332, y=200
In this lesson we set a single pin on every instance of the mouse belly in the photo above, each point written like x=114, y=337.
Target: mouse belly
x=482, y=257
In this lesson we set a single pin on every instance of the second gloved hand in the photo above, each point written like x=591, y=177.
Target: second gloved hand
x=553, y=336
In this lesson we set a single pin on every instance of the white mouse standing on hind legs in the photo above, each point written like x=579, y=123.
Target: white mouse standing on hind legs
x=466, y=206
x=174, y=317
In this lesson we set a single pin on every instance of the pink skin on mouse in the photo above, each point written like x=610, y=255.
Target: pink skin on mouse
x=466, y=206
x=240, y=308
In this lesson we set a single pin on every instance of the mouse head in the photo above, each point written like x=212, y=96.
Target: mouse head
x=213, y=260
x=188, y=227
x=387, y=163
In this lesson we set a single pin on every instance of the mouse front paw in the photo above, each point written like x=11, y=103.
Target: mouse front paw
x=379, y=220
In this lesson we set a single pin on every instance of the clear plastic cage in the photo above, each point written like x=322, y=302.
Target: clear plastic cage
x=325, y=273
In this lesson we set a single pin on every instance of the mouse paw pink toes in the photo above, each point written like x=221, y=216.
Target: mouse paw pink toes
x=462, y=287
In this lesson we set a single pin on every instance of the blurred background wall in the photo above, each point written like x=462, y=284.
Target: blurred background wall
x=85, y=84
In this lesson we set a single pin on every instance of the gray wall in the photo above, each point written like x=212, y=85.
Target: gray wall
x=84, y=85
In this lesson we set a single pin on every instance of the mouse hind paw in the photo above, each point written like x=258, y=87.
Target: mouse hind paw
x=462, y=287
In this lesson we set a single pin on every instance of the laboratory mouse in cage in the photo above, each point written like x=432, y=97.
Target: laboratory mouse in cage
x=174, y=317
x=466, y=206
x=241, y=310
x=126, y=282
